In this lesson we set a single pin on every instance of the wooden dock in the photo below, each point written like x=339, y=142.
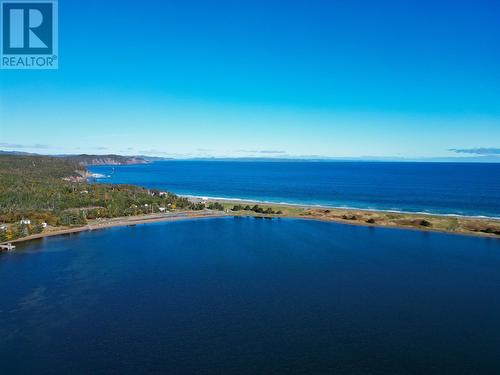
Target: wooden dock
x=7, y=247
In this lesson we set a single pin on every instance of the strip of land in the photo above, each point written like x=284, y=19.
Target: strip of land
x=432, y=223
x=473, y=226
x=120, y=222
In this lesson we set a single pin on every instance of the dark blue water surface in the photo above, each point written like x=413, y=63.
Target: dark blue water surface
x=443, y=188
x=249, y=296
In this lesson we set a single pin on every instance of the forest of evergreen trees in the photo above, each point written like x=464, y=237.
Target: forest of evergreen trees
x=55, y=191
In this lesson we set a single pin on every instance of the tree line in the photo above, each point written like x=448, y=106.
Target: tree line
x=257, y=209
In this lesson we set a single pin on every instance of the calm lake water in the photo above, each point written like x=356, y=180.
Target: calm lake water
x=249, y=296
x=443, y=188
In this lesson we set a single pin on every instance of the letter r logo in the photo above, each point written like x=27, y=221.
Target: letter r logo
x=27, y=28
x=17, y=28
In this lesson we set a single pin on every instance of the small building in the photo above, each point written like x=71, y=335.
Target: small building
x=162, y=209
x=25, y=222
x=84, y=192
x=163, y=193
x=3, y=227
x=44, y=225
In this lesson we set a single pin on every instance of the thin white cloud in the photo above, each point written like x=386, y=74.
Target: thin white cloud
x=477, y=151
x=263, y=151
x=154, y=152
x=16, y=145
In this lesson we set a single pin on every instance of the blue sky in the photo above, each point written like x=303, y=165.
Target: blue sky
x=263, y=78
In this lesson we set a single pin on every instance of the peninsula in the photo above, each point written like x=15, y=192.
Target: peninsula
x=42, y=196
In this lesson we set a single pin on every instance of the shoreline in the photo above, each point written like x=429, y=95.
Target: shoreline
x=236, y=200
x=119, y=222
x=462, y=225
x=356, y=217
x=199, y=198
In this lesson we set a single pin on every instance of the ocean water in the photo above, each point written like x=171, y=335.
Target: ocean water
x=249, y=296
x=441, y=188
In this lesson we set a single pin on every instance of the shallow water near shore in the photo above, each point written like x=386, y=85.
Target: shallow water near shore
x=439, y=188
x=247, y=296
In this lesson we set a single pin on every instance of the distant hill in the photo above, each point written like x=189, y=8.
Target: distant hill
x=15, y=153
x=153, y=158
x=30, y=167
x=87, y=160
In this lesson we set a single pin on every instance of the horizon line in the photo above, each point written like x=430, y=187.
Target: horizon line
x=366, y=158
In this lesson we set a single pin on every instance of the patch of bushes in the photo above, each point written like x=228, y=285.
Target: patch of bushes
x=349, y=217
x=425, y=223
x=257, y=209
x=216, y=206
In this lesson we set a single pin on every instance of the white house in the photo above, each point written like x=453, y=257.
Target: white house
x=3, y=227
x=162, y=209
x=25, y=222
x=44, y=225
